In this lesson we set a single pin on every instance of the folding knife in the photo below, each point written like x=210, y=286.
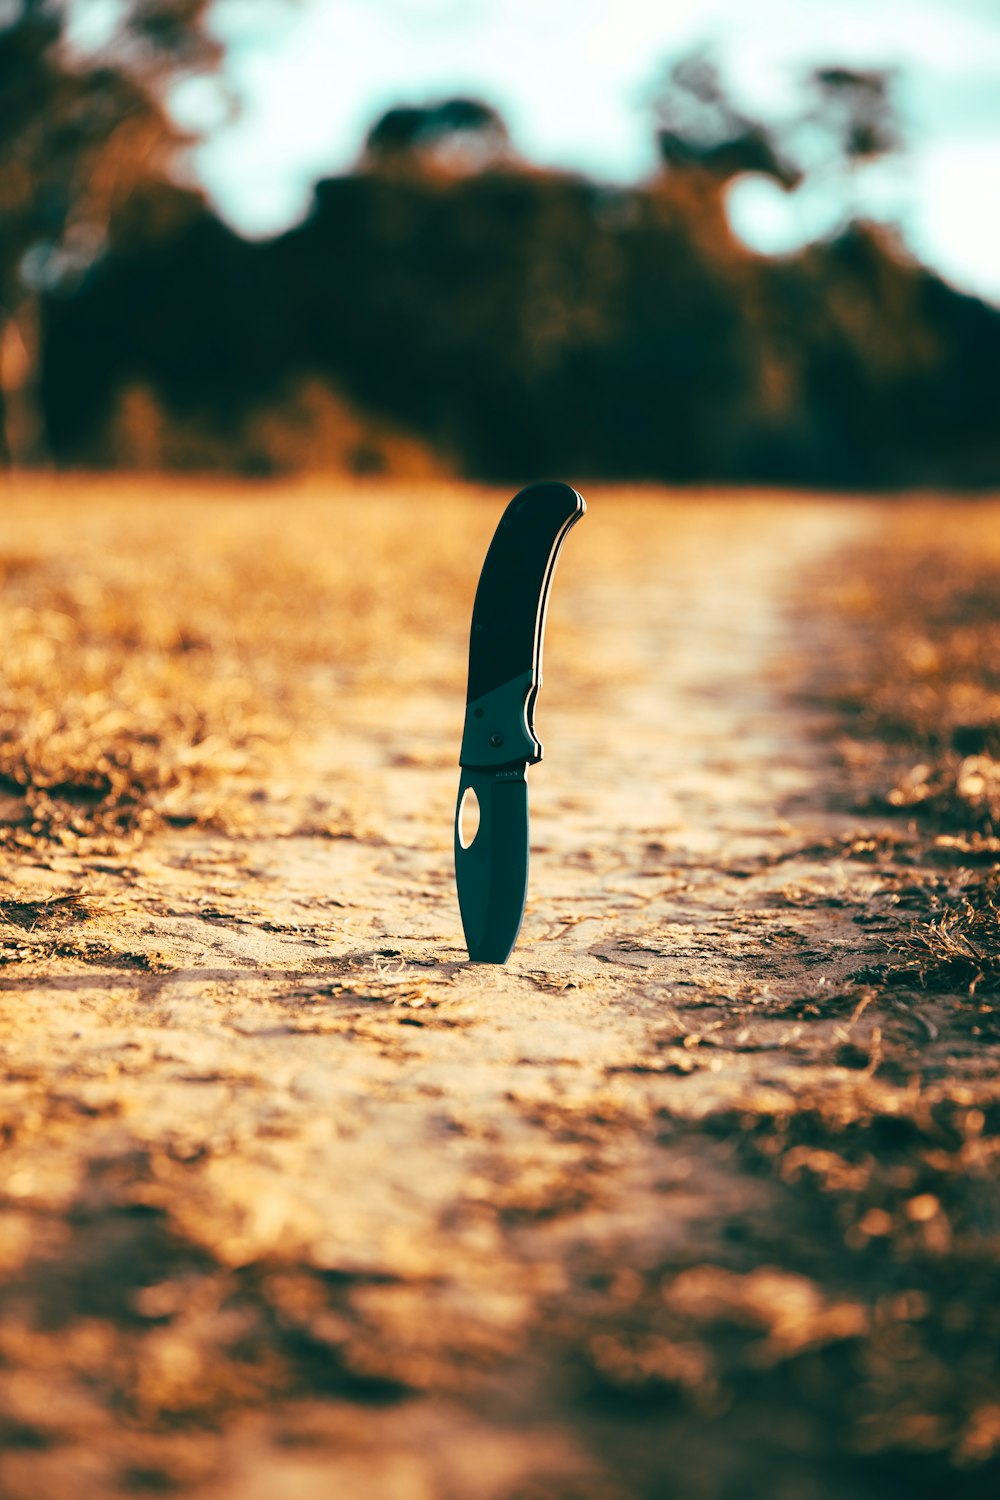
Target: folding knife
x=499, y=743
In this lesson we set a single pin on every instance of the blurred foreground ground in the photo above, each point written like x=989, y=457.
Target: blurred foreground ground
x=698, y=1197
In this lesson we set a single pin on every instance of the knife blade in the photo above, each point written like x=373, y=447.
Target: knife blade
x=499, y=742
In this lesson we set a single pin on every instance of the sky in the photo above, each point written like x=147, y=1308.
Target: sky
x=574, y=79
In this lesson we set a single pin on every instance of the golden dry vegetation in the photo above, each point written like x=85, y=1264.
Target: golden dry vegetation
x=160, y=648
x=697, y=1197
x=917, y=678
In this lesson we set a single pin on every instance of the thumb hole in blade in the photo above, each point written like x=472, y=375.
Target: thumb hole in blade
x=468, y=818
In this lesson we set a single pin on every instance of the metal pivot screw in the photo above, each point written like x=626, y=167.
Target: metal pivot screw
x=496, y=739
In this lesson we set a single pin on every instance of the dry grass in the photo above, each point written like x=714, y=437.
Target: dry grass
x=916, y=676
x=960, y=950
x=919, y=671
x=179, y=644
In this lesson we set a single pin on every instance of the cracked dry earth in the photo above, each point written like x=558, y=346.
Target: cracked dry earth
x=296, y=1202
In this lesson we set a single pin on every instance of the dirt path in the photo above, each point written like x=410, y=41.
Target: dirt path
x=300, y=1203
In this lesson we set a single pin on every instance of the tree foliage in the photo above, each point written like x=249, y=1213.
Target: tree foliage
x=510, y=319
x=700, y=127
x=856, y=109
x=456, y=132
x=78, y=135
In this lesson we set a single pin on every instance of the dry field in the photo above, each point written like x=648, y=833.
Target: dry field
x=698, y=1197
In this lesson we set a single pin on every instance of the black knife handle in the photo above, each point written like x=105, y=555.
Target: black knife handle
x=508, y=617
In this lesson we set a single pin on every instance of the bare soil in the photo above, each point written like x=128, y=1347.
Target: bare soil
x=695, y=1197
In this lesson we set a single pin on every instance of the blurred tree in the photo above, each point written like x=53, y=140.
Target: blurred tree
x=852, y=122
x=459, y=134
x=700, y=129
x=77, y=136
x=857, y=110
x=521, y=321
x=846, y=120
